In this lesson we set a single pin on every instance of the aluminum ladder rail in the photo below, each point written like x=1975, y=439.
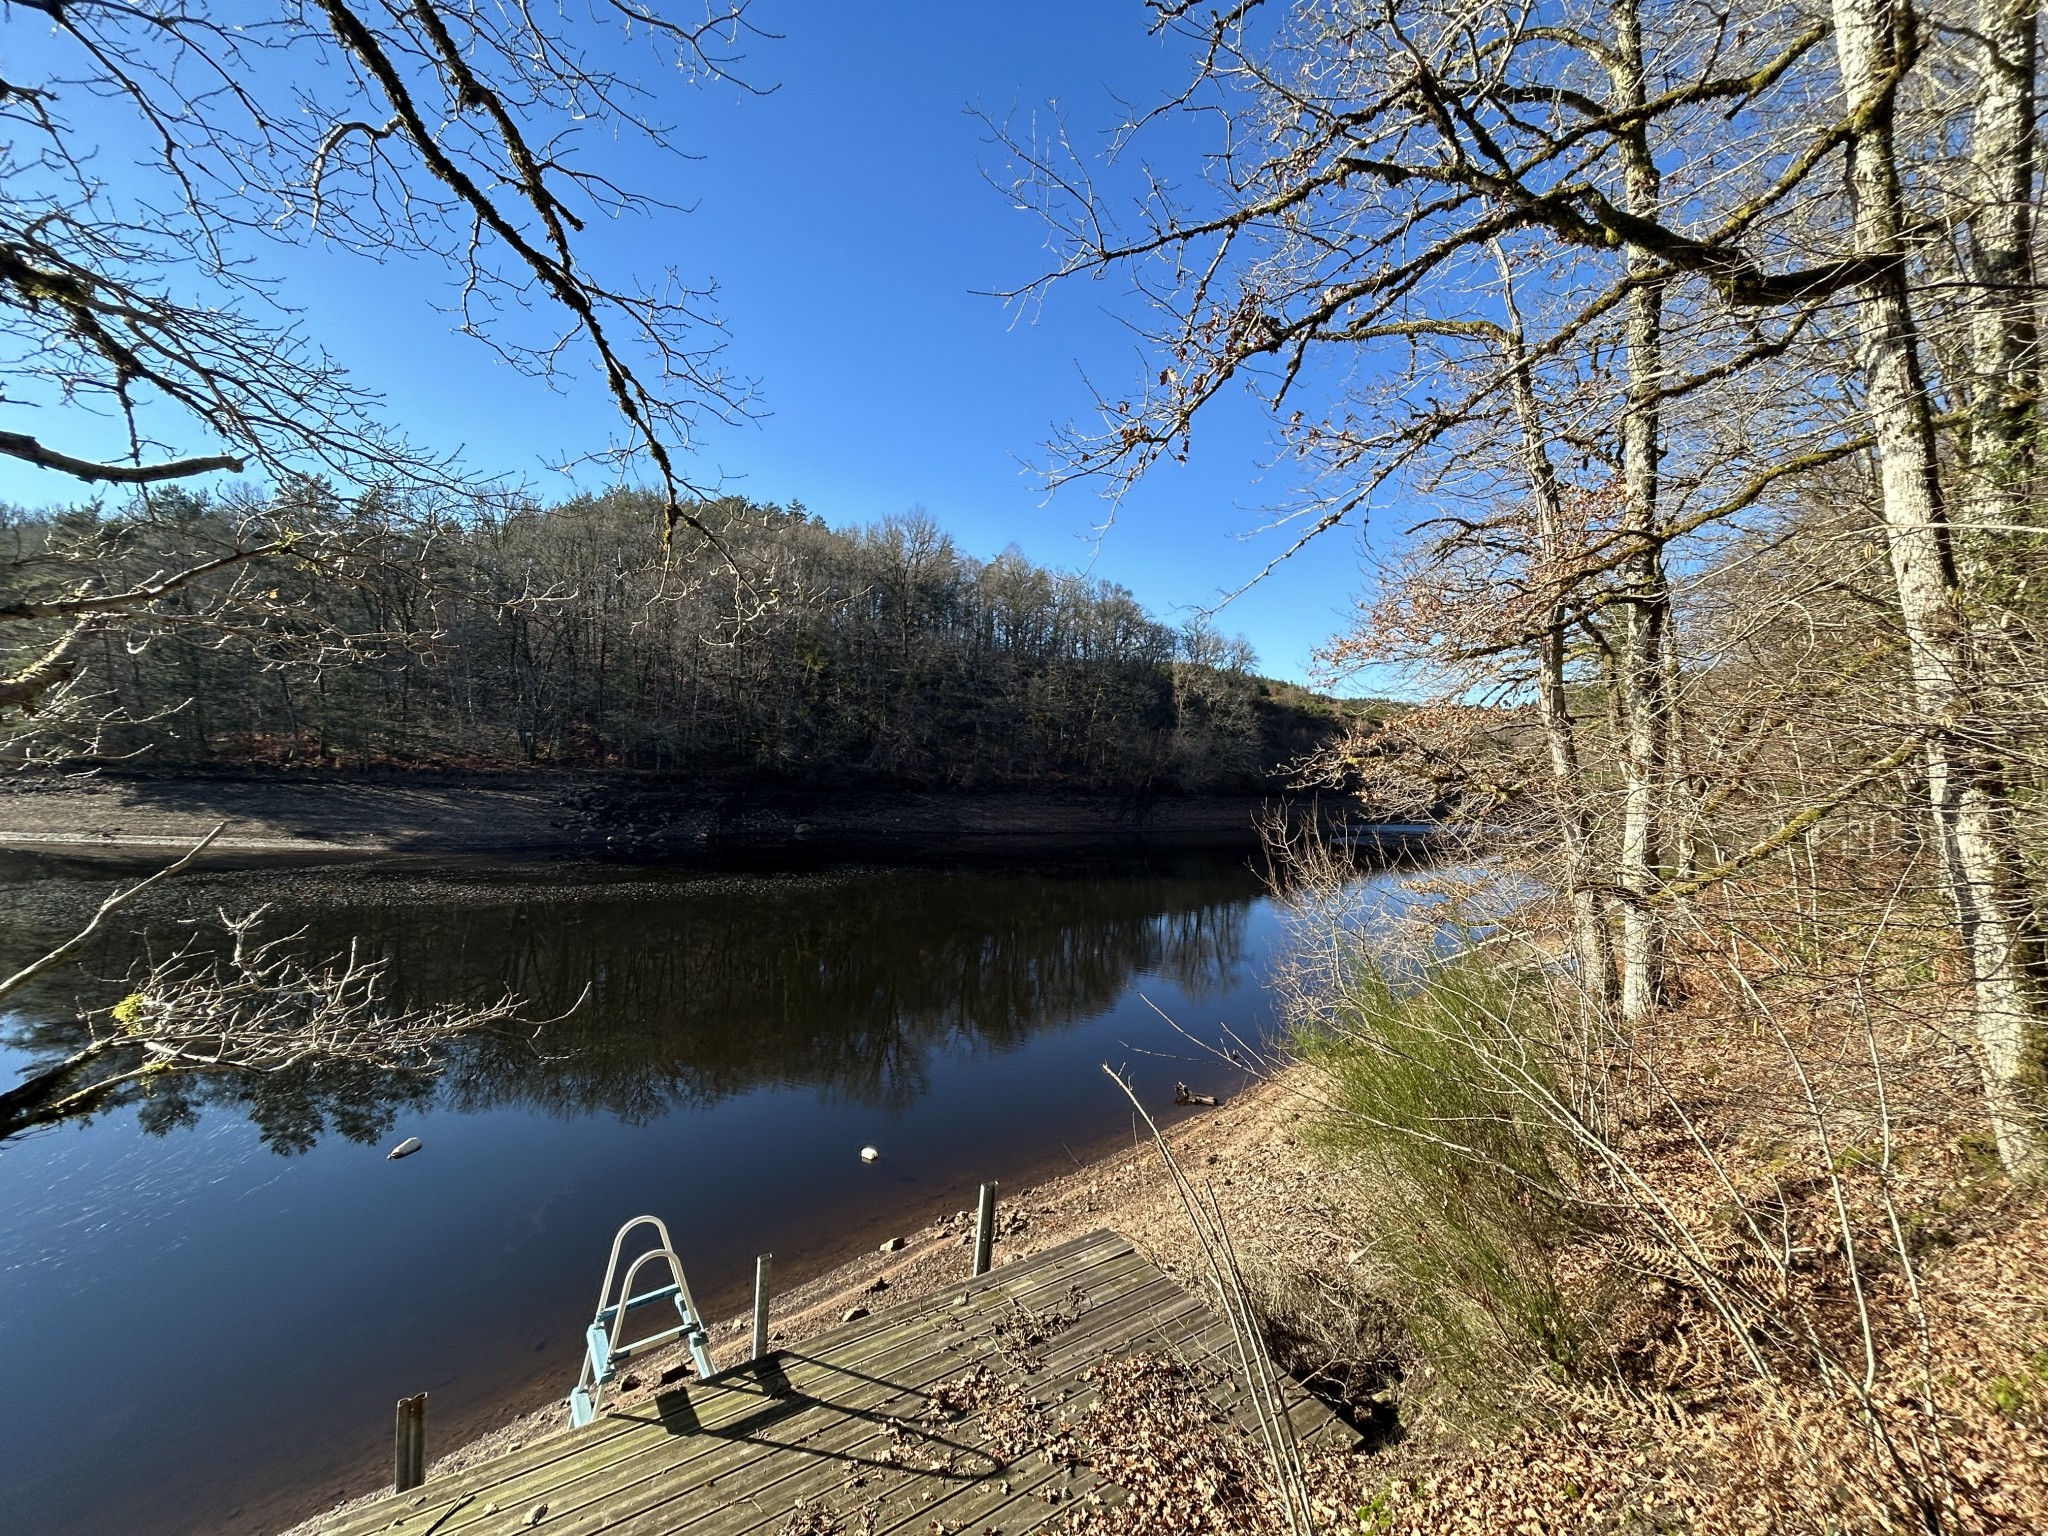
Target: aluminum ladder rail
x=602, y=1350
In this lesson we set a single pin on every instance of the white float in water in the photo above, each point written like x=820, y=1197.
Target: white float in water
x=870, y=1155
x=405, y=1148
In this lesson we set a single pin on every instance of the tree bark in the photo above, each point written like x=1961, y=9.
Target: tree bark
x=1647, y=607
x=2004, y=373
x=1595, y=949
x=1967, y=792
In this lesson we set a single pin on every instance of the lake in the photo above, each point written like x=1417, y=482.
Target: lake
x=208, y=1307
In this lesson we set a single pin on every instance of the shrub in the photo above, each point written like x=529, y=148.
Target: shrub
x=1443, y=1088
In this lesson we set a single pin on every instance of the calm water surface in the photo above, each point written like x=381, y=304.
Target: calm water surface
x=208, y=1308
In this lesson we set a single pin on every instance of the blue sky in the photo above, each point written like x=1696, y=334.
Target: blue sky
x=849, y=223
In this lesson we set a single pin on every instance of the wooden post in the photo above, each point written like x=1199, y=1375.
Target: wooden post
x=409, y=1456
x=761, y=1268
x=985, y=1230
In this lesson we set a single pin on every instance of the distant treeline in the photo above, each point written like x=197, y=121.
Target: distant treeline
x=763, y=643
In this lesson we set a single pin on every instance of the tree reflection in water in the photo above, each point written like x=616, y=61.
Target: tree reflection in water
x=694, y=988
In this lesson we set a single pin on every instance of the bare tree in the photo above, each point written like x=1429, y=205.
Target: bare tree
x=155, y=154
x=1375, y=150
x=159, y=152
x=2004, y=368
x=1554, y=558
x=459, y=134
x=1645, y=590
x=1376, y=154
x=1874, y=43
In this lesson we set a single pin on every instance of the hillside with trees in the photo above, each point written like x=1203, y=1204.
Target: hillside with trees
x=776, y=649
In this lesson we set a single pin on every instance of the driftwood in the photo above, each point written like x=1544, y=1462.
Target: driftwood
x=1182, y=1094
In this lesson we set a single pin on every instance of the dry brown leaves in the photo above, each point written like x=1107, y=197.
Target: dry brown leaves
x=1178, y=1466
x=1821, y=1174
x=812, y=1519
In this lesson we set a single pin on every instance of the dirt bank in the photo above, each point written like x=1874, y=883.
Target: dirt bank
x=137, y=817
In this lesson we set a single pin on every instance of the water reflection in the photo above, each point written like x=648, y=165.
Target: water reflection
x=743, y=1037
x=673, y=991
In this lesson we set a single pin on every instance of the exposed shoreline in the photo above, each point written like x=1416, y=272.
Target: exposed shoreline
x=1246, y=1147
x=131, y=817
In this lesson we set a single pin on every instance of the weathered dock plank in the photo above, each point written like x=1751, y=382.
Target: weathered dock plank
x=558, y=1459
x=881, y=1415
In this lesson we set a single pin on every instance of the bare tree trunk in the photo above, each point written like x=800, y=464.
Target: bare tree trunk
x=1589, y=922
x=1966, y=787
x=1647, y=609
x=1681, y=802
x=2004, y=370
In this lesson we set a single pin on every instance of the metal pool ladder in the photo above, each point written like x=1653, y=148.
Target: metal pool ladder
x=602, y=1350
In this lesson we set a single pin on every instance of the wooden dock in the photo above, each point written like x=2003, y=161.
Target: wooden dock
x=934, y=1415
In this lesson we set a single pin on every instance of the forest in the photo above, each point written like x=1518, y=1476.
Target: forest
x=776, y=648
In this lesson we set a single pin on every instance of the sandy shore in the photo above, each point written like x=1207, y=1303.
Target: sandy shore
x=1275, y=1197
